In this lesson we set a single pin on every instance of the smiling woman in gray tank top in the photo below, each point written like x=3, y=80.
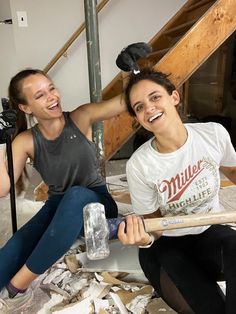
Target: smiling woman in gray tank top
x=62, y=151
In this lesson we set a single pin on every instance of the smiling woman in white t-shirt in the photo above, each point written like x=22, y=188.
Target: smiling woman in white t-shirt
x=177, y=173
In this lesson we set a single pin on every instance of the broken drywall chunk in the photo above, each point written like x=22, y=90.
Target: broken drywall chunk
x=52, y=275
x=118, y=303
x=84, y=307
x=96, y=290
x=139, y=303
x=127, y=296
x=72, y=263
x=100, y=304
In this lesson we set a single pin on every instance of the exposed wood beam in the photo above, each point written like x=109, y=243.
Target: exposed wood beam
x=212, y=29
x=200, y=42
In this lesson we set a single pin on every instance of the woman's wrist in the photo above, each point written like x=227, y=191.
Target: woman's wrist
x=150, y=243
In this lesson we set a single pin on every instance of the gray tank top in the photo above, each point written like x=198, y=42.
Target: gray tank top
x=68, y=160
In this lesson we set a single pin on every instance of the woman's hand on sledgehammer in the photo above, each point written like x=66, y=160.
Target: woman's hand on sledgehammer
x=132, y=232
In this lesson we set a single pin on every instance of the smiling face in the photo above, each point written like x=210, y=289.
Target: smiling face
x=154, y=108
x=42, y=98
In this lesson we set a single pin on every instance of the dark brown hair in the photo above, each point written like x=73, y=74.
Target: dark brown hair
x=150, y=75
x=16, y=97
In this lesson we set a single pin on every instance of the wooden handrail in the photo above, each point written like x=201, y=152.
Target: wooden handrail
x=72, y=39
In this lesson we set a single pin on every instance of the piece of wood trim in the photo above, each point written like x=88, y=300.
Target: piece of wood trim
x=179, y=27
x=176, y=19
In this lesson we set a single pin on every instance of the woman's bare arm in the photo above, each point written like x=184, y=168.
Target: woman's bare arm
x=230, y=173
x=87, y=114
x=22, y=148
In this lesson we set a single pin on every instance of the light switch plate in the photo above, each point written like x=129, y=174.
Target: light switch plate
x=22, y=18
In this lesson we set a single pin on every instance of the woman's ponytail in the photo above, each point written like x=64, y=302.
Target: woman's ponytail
x=16, y=97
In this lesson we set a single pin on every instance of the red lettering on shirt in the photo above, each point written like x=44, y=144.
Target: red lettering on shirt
x=178, y=184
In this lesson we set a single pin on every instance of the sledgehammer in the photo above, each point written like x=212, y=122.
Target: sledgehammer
x=98, y=230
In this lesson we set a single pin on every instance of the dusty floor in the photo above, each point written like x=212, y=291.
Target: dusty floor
x=117, y=264
x=95, y=278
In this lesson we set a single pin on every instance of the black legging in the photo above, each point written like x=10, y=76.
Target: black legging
x=184, y=270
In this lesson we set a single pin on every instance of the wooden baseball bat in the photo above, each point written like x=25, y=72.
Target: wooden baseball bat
x=194, y=220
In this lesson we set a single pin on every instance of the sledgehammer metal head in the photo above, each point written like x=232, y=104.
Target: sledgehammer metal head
x=98, y=231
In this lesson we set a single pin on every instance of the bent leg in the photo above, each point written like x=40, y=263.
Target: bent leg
x=216, y=251
x=65, y=226
x=16, y=251
x=162, y=283
x=229, y=258
x=197, y=288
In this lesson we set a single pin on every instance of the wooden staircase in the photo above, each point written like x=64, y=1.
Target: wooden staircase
x=179, y=49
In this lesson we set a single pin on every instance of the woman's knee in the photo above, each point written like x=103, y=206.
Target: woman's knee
x=80, y=194
x=73, y=202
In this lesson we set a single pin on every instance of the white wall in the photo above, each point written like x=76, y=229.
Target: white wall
x=126, y=21
x=50, y=23
x=7, y=58
x=5, y=11
x=7, y=50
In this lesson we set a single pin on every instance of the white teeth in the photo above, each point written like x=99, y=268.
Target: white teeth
x=52, y=106
x=154, y=117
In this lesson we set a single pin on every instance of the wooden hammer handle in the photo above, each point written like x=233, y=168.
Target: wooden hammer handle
x=178, y=222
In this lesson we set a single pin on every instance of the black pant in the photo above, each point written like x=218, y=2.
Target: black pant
x=193, y=264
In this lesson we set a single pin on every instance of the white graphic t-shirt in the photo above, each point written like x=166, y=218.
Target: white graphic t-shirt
x=183, y=182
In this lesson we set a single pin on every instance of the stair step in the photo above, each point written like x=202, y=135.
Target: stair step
x=180, y=27
x=153, y=58
x=198, y=5
x=181, y=60
x=175, y=39
x=158, y=53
